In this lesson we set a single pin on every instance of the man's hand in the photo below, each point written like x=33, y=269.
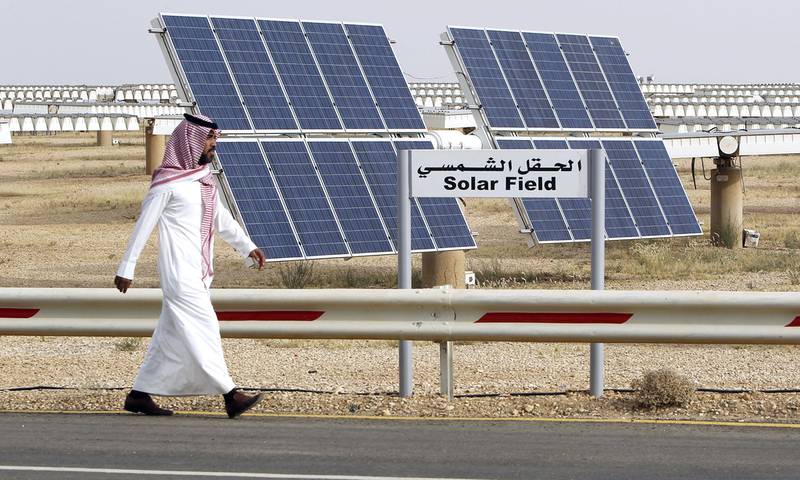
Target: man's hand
x=258, y=257
x=122, y=284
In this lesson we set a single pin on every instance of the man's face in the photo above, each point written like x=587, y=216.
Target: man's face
x=209, y=150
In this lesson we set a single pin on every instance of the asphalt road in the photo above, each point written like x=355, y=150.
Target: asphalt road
x=296, y=448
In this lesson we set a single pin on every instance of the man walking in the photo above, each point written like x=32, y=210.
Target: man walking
x=185, y=355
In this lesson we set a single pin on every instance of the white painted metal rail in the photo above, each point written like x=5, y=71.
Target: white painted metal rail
x=436, y=315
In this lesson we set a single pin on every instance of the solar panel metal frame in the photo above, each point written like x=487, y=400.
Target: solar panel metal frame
x=319, y=71
x=649, y=183
x=685, y=195
x=538, y=78
x=390, y=142
x=272, y=65
x=467, y=88
x=393, y=247
x=360, y=69
x=181, y=82
x=303, y=141
x=258, y=136
x=527, y=227
x=605, y=76
x=407, y=88
x=473, y=99
x=580, y=91
x=230, y=199
x=184, y=87
x=611, y=88
x=422, y=212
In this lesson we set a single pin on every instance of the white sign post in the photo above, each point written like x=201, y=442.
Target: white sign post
x=500, y=173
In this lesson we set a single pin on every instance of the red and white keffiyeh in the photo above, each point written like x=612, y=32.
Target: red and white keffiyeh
x=183, y=150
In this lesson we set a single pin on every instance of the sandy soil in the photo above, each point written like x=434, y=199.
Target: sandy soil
x=67, y=208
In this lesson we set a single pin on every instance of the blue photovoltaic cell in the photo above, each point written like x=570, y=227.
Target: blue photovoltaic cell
x=623, y=83
x=523, y=80
x=577, y=211
x=350, y=197
x=345, y=81
x=301, y=78
x=550, y=144
x=204, y=66
x=487, y=78
x=590, y=80
x=252, y=69
x=512, y=143
x=557, y=80
x=545, y=217
x=444, y=217
x=619, y=223
x=257, y=199
x=385, y=77
x=305, y=199
x=635, y=186
x=668, y=187
x=379, y=162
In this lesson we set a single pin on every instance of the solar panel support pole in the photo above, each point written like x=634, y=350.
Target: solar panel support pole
x=597, y=165
x=404, y=261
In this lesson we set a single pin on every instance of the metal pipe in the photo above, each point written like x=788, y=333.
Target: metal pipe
x=404, y=263
x=597, y=162
x=430, y=315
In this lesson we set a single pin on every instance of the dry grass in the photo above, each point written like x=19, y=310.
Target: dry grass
x=128, y=344
x=663, y=388
x=63, y=195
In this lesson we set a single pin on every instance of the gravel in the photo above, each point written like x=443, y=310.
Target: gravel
x=360, y=378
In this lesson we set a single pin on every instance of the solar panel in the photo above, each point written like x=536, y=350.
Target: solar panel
x=295, y=63
x=487, y=78
x=252, y=69
x=283, y=76
x=305, y=199
x=620, y=224
x=350, y=197
x=591, y=82
x=309, y=197
x=544, y=214
x=257, y=199
x=623, y=83
x=443, y=215
x=379, y=161
x=546, y=81
x=667, y=185
x=343, y=76
x=385, y=77
x=522, y=78
x=204, y=68
x=558, y=81
x=644, y=196
x=633, y=181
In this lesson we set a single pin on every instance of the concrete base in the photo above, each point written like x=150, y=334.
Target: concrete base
x=443, y=268
x=104, y=138
x=727, y=202
x=154, y=148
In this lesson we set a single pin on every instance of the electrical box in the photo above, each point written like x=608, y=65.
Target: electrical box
x=750, y=238
x=469, y=279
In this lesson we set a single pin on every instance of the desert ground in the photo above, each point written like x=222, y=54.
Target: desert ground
x=67, y=208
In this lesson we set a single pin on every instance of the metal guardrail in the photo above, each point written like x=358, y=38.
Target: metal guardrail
x=440, y=315
x=427, y=314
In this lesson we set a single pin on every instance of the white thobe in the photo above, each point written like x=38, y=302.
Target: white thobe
x=185, y=355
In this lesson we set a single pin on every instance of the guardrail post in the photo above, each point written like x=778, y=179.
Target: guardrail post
x=446, y=369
